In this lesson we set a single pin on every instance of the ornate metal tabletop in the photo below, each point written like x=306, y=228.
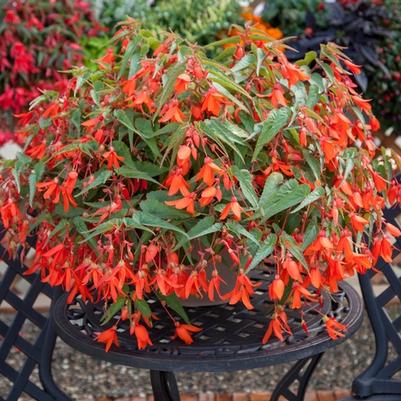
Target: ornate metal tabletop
x=231, y=336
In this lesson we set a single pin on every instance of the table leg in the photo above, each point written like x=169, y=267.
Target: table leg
x=292, y=387
x=164, y=386
x=46, y=357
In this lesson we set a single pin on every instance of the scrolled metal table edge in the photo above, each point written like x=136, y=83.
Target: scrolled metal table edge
x=163, y=381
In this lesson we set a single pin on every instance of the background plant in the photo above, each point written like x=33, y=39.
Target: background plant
x=197, y=21
x=38, y=40
x=385, y=87
x=370, y=31
x=163, y=163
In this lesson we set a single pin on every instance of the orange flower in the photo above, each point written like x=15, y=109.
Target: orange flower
x=172, y=112
x=293, y=269
x=142, y=336
x=112, y=158
x=355, y=69
x=209, y=194
x=213, y=101
x=176, y=183
x=143, y=98
x=292, y=72
x=129, y=86
x=187, y=202
x=51, y=188
x=334, y=329
x=214, y=285
x=393, y=230
x=108, y=58
x=277, y=325
x=242, y=291
x=67, y=188
x=9, y=212
x=276, y=289
x=196, y=282
x=233, y=207
x=108, y=337
x=184, y=332
x=298, y=292
x=207, y=172
x=277, y=96
x=315, y=277
x=358, y=222
x=37, y=151
x=182, y=83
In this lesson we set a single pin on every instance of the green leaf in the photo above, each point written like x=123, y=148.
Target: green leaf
x=289, y=243
x=58, y=228
x=245, y=62
x=204, y=227
x=269, y=190
x=131, y=172
x=223, y=80
x=151, y=220
x=174, y=303
x=288, y=195
x=82, y=229
x=313, y=96
x=124, y=119
x=100, y=178
x=277, y=119
x=309, y=57
x=32, y=186
x=112, y=310
x=310, y=235
x=238, y=230
x=313, y=163
x=245, y=181
x=145, y=127
x=312, y=197
x=213, y=131
x=143, y=307
x=154, y=206
x=266, y=248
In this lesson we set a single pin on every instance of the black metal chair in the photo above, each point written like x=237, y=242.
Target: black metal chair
x=27, y=336
x=381, y=381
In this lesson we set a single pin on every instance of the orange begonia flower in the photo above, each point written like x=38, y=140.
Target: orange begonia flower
x=142, y=336
x=108, y=337
x=185, y=331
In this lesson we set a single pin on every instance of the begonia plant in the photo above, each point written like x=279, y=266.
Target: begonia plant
x=145, y=172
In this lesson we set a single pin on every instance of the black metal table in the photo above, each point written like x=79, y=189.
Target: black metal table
x=230, y=339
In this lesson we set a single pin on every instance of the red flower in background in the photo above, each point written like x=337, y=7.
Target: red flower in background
x=34, y=48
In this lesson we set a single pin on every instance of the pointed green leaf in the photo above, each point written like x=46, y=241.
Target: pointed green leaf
x=174, y=303
x=288, y=195
x=289, y=243
x=277, y=119
x=143, y=307
x=269, y=190
x=100, y=178
x=266, y=248
x=312, y=197
x=245, y=181
x=112, y=310
x=238, y=230
x=131, y=172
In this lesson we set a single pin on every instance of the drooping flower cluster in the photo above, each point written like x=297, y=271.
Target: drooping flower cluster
x=38, y=40
x=148, y=173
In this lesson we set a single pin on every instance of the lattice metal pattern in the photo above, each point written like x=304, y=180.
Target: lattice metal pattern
x=27, y=372
x=230, y=338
